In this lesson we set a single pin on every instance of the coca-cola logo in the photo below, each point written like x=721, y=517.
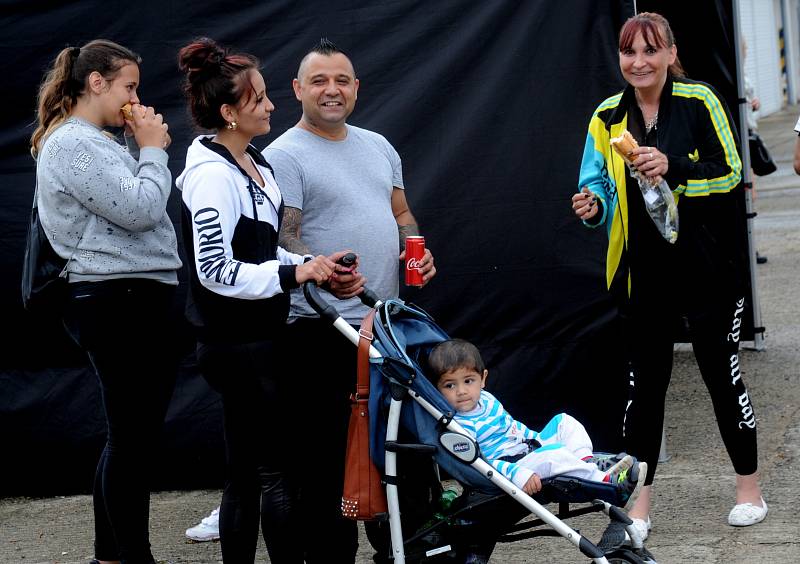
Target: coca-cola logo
x=414, y=264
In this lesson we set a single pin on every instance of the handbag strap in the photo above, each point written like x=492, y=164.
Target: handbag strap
x=364, y=340
x=64, y=272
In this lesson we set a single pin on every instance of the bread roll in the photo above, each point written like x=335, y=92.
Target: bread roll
x=126, y=111
x=624, y=145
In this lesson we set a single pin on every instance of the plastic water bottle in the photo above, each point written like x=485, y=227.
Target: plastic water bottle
x=447, y=499
x=660, y=205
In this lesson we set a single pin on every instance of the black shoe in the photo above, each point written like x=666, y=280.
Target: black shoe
x=613, y=537
x=760, y=259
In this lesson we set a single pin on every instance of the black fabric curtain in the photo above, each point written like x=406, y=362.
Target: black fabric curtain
x=487, y=104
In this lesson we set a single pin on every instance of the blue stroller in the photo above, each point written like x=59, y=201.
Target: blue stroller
x=411, y=421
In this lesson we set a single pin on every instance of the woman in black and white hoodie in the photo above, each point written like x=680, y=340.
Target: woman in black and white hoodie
x=103, y=208
x=239, y=294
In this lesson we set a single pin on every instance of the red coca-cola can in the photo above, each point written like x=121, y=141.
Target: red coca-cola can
x=415, y=250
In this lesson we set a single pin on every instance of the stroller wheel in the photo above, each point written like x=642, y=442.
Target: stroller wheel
x=623, y=555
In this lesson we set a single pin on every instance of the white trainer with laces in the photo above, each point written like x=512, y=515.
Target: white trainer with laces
x=641, y=530
x=746, y=514
x=205, y=530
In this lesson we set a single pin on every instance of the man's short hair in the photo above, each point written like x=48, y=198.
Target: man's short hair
x=324, y=47
x=452, y=355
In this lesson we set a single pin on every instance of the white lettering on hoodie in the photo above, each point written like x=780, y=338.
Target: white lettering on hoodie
x=217, y=195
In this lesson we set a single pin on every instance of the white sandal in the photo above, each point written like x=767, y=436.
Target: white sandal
x=746, y=514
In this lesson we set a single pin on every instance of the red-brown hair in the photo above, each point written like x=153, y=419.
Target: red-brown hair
x=215, y=76
x=655, y=31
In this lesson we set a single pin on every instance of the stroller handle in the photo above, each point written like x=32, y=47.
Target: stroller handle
x=324, y=309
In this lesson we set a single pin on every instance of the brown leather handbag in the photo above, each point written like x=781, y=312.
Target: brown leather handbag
x=363, y=497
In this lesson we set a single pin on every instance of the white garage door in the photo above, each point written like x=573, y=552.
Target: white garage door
x=759, y=20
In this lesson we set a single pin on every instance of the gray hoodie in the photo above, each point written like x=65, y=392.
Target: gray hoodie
x=94, y=195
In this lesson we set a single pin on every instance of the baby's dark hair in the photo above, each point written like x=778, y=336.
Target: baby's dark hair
x=453, y=354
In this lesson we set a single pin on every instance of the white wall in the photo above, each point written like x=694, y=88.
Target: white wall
x=792, y=31
x=759, y=21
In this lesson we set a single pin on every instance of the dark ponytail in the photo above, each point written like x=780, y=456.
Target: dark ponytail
x=214, y=76
x=66, y=80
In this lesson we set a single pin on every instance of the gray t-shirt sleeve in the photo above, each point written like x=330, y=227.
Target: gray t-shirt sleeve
x=288, y=175
x=397, y=167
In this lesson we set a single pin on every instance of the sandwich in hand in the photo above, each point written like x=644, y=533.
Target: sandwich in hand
x=126, y=112
x=624, y=145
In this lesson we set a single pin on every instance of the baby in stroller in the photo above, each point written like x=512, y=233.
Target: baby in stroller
x=412, y=422
x=522, y=455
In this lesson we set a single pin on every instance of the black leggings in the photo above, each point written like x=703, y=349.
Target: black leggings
x=124, y=327
x=714, y=333
x=323, y=373
x=259, y=427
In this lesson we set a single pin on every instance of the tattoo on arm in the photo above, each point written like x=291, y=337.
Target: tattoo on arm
x=289, y=236
x=405, y=231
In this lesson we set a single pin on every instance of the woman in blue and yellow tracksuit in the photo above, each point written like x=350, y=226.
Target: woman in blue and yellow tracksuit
x=686, y=137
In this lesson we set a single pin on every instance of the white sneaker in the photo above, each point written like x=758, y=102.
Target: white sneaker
x=205, y=530
x=641, y=530
x=746, y=514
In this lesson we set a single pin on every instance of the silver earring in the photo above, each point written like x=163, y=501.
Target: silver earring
x=232, y=125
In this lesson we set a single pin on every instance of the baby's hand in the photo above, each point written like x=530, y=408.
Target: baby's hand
x=533, y=485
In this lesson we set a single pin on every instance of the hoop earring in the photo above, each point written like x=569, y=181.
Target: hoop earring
x=232, y=125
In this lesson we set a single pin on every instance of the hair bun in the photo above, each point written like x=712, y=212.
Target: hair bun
x=214, y=54
x=201, y=56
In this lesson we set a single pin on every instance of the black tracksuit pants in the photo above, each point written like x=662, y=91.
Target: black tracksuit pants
x=714, y=333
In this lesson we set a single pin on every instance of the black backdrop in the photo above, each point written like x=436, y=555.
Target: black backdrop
x=487, y=103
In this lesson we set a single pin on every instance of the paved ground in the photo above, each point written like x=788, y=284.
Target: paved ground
x=694, y=489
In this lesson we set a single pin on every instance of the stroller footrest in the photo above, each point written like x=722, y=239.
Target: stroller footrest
x=394, y=446
x=577, y=490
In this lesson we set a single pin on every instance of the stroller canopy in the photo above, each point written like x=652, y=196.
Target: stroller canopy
x=405, y=335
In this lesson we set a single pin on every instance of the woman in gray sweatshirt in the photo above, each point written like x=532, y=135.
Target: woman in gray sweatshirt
x=103, y=208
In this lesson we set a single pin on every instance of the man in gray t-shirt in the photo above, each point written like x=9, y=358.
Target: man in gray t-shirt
x=340, y=193
x=342, y=188
x=342, y=185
